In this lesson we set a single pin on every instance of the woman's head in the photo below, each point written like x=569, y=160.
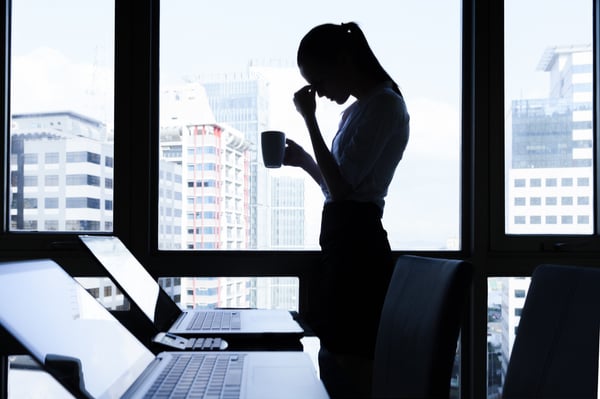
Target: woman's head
x=329, y=53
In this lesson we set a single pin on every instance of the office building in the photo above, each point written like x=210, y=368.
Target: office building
x=549, y=182
x=61, y=173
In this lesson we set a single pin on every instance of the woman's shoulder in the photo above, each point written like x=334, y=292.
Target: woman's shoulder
x=387, y=100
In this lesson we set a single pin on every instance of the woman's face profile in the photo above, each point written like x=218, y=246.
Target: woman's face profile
x=327, y=81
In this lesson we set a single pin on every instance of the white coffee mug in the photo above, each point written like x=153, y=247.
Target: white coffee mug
x=273, y=148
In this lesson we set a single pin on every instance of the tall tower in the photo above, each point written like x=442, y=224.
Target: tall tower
x=551, y=150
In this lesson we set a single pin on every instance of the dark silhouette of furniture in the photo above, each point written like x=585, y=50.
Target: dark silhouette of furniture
x=419, y=327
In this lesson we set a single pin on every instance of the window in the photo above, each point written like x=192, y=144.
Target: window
x=548, y=134
x=30, y=159
x=30, y=181
x=83, y=156
x=518, y=311
x=566, y=201
x=51, y=203
x=51, y=157
x=30, y=203
x=83, y=202
x=549, y=100
x=517, y=120
x=81, y=180
x=583, y=181
x=61, y=102
x=51, y=180
x=249, y=89
x=583, y=200
x=51, y=225
x=566, y=182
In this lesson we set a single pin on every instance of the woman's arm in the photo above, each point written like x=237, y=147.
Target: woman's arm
x=336, y=185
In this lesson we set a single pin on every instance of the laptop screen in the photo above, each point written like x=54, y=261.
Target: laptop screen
x=126, y=270
x=55, y=318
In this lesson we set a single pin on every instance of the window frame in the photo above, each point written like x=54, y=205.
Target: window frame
x=484, y=243
x=547, y=247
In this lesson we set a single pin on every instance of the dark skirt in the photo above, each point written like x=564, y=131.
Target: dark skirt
x=353, y=277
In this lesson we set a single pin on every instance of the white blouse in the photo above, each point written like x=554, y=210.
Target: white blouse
x=371, y=139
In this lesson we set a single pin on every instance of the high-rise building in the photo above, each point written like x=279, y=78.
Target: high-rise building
x=220, y=175
x=549, y=167
x=214, y=166
x=61, y=173
x=241, y=101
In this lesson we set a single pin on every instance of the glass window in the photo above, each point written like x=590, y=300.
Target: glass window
x=62, y=73
x=549, y=118
x=535, y=183
x=583, y=181
x=51, y=203
x=506, y=297
x=51, y=157
x=551, y=182
x=51, y=180
x=583, y=200
x=30, y=159
x=240, y=76
x=51, y=225
x=566, y=201
x=566, y=182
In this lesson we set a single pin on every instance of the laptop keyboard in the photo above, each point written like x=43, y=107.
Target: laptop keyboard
x=209, y=321
x=199, y=376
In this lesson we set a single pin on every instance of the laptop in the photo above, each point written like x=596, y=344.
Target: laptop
x=79, y=342
x=240, y=327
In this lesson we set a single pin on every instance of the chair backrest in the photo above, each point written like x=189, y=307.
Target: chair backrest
x=555, y=352
x=419, y=327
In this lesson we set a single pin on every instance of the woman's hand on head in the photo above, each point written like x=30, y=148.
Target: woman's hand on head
x=305, y=102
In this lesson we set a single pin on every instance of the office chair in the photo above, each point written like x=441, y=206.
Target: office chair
x=555, y=352
x=419, y=327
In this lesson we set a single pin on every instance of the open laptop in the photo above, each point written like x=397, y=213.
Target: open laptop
x=93, y=355
x=242, y=328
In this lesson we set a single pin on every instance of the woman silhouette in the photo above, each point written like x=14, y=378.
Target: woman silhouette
x=354, y=175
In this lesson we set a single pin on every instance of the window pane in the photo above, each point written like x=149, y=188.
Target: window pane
x=232, y=292
x=506, y=297
x=549, y=135
x=226, y=76
x=61, y=136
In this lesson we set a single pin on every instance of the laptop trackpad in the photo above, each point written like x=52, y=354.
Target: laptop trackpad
x=279, y=375
x=283, y=382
